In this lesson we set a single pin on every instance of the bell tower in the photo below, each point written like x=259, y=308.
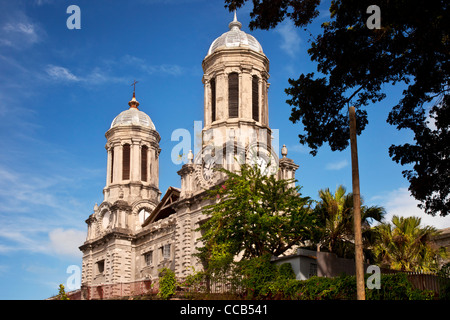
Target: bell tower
x=236, y=112
x=130, y=194
x=235, y=87
x=133, y=157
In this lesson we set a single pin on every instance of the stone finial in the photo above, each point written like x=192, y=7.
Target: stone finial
x=284, y=151
x=190, y=156
x=235, y=23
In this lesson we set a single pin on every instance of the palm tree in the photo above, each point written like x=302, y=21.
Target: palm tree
x=335, y=211
x=405, y=245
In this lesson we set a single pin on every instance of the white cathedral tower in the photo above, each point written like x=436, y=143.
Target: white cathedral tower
x=134, y=232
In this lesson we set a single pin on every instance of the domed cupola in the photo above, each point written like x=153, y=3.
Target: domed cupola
x=235, y=74
x=235, y=38
x=133, y=116
x=133, y=157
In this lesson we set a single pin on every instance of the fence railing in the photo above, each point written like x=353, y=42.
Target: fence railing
x=425, y=281
x=422, y=281
x=418, y=280
x=116, y=290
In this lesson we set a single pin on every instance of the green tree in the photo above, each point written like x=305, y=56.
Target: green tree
x=405, y=245
x=335, y=213
x=253, y=215
x=62, y=293
x=411, y=47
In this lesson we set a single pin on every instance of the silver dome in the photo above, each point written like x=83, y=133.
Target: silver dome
x=235, y=38
x=133, y=116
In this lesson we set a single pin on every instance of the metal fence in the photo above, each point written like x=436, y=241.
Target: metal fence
x=418, y=280
x=223, y=285
x=117, y=290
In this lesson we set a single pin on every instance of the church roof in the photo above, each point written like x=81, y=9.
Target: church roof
x=235, y=38
x=164, y=208
x=133, y=116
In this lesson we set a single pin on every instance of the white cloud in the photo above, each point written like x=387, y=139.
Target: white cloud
x=29, y=238
x=61, y=73
x=19, y=32
x=399, y=202
x=298, y=148
x=337, y=165
x=43, y=2
x=96, y=76
x=169, y=69
x=39, y=214
x=66, y=242
x=290, y=39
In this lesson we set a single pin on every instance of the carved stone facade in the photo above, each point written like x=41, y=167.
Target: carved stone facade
x=134, y=232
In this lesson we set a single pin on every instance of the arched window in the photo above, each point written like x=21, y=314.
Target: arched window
x=213, y=100
x=144, y=162
x=255, y=98
x=126, y=162
x=233, y=95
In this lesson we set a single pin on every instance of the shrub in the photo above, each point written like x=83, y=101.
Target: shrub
x=444, y=282
x=256, y=274
x=286, y=272
x=167, y=283
x=393, y=287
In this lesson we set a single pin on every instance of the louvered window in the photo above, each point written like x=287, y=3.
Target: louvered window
x=166, y=251
x=213, y=100
x=233, y=95
x=144, y=152
x=112, y=165
x=126, y=162
x=148, y=258
x=255, y=97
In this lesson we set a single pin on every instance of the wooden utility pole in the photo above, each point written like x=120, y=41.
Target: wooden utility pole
x=360, y=290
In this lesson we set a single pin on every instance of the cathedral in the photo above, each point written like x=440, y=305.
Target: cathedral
x=137, y=230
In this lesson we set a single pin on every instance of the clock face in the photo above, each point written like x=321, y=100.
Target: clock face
x=208, y=168
x=261, y=157
x=205, y=164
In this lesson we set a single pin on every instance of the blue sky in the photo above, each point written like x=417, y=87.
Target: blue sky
x=60, y=90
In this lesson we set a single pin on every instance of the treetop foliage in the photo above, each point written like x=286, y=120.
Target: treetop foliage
x=354, y=63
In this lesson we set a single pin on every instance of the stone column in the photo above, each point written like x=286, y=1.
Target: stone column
x=207, y=102
x=108, y=166
x=245, y=88
x=117, y=163
x=221, y=96
x=266, y=103
x=240, y=95
x=261, y=101
x=135, y=154
x=155, y=166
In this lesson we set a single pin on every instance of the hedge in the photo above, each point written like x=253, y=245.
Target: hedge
x=264, y=280
x=393, y=287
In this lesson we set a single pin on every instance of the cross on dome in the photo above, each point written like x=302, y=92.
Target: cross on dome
x=134, y=103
